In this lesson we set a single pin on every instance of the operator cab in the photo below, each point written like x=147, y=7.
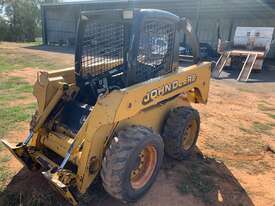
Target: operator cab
x=116, y=49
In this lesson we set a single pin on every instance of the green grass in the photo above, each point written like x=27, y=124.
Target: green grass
x=1, y=146
x=10, y=60
x=15, y=83
x=15, y=62
x=4, y=65
x=37, y=42
x=255, y=129
x=31, y=198
x=242, y=89
x=262, y=127
x=4, y=175
x=269, y=110
x=254, y=167
x=12, y=89
x=264, y=108
x=265, y=102
x=272, y=124
x=5, y=158
x=271, y=115
x=246, y=130
x=199, y=183
x=11, y=116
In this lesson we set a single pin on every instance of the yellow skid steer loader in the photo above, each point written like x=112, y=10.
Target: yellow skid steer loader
x=125, y=103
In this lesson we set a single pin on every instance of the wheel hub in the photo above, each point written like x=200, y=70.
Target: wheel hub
x=189, y=135
x=147, y=160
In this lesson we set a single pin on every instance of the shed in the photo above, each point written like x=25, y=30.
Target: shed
x=211, y=18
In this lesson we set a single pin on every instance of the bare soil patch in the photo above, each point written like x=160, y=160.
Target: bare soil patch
x=28, y=74
x=22, y=48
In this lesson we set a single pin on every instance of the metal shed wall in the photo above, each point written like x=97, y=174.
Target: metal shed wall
x=211, y=18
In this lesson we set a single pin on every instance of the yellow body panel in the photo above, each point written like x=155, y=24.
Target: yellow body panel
x=145, y=104
x=57, y=142
x=126, y=107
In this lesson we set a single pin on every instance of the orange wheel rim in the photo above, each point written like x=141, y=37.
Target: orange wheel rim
x=146, y=167
x=189, y=135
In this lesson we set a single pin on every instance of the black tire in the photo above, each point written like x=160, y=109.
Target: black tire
x=175, y=132
x=121, y=160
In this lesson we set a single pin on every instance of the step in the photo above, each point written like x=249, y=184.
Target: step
x=247, y=67
x=220, y=64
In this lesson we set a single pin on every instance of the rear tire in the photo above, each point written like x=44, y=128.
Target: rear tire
x=131, y=163
x=180, y=132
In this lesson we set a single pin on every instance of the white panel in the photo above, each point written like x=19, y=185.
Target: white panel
x=253, y=36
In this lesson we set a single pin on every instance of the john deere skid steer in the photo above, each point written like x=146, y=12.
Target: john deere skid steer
x=125, y=103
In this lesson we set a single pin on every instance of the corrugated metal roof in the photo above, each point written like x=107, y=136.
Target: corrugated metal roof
x=90, y=2
x=247, y=8
x=270, y=4
x=205, y=14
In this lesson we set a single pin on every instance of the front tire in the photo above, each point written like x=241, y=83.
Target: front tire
x=181, y=131
x=131, y=163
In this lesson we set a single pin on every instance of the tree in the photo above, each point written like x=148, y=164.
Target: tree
x=4, y=29
x=23, y=19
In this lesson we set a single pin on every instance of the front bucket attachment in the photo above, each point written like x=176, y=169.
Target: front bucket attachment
x=31, y=158
x=16, y=150
x=53, y=178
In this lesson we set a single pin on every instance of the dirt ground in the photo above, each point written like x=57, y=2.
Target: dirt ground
x=233, y=164
x=56, y=54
